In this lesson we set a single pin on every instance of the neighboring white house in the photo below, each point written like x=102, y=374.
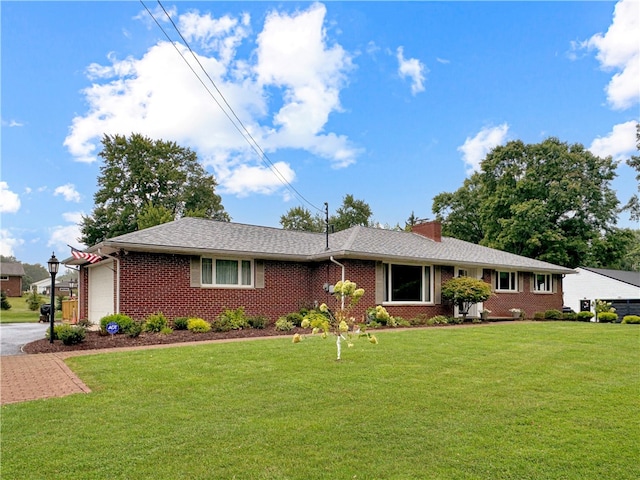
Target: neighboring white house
x=43, y=285
x=620, y=287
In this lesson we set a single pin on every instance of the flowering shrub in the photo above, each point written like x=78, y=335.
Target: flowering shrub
x=339, y=322
x=378, y=315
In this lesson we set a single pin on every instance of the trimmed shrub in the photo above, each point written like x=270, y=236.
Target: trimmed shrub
x=180, y=323
x=584, y=316
x=155, y=323
x=632, y=319
x=198, y=325
x=607, y=317
x=230, y=320
x=570, y=316
x=166, y=331
x=295, y=318
x=69, y=335
x=258, y=322
x=284, y=325
x=420, y=319
x=438, y=320
x=125, y=323
x=538, y=316
x=401, y=322
x=553, y=315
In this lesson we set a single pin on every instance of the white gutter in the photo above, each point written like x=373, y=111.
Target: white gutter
x=342, y=266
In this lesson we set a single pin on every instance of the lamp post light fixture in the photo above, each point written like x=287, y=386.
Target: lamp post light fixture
x=72, y=285
x=53, y=264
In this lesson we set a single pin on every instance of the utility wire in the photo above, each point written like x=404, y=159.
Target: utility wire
x=236, y=122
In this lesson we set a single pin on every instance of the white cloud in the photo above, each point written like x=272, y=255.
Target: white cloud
x=293, y=67
x=12, y=123
x=412, y=68
x=246, y=179
x=68, y=191
x=619, y=51
x=8, y=243
x=9, y=201
x=620, y=143
x=475, y=149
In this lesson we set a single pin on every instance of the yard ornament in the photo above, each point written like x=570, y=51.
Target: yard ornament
x=338, y=322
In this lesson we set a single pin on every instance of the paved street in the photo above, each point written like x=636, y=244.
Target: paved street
x=15, y=335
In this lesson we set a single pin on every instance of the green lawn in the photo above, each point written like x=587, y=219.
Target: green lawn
x=20, y=313
x=549, y=400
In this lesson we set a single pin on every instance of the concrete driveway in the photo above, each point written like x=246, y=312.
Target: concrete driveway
x=14, y=335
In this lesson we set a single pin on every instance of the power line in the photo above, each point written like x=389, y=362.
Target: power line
x=235, y=121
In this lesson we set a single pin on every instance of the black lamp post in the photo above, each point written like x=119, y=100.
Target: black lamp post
x=72, y=285
x=54, y=264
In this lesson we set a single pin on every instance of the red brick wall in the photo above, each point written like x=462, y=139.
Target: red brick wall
x=12, y=287
x=161, y=282
x=500, y=303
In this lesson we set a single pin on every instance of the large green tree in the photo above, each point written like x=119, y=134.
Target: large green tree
x=550, y=201
x=633, y=206
x=352, y=212
x=151, y=176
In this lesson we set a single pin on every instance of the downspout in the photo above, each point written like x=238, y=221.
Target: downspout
x=117, y=260
x=341, y=266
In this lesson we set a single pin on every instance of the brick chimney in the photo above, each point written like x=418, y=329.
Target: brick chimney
x=430, y=229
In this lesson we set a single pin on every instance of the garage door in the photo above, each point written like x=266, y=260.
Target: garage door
x=100, y=291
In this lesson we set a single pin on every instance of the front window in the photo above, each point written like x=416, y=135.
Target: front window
x=226, y=272
x=542, y=283
x=506, y=282
x=407, y=283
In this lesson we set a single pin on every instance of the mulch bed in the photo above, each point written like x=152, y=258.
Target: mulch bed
x=94, y=340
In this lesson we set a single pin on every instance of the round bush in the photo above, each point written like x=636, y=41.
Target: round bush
x=607, y=317
x=125, y=323
x=284, y=325
x=584, y=316
x=155, y=323
x=553, y=315
x=635, y=319
x=198, y=325
x=180, y=323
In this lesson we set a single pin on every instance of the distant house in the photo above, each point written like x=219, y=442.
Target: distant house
x=44, y=287
x=195, y=266
x=11, y=274
x=621, y=288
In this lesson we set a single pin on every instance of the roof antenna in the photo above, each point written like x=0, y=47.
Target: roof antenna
x=326, y=223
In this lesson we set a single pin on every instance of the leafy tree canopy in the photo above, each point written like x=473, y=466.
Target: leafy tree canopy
x=550, y=201
x=143, y=181
x=352, y=212
x=633, y=206
x=464, y=292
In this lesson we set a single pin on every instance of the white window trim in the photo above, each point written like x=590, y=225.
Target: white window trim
x=514, y=287
x=4, y=278
x=413, y=302
x=549, y=284
x=226, y=285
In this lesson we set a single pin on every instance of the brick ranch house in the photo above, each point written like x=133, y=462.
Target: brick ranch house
x=11, y=274
x=198, y=267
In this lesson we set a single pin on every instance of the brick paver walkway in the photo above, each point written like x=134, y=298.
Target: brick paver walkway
x=32, y=377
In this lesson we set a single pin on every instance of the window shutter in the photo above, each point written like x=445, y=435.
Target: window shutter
x=493, y=280
x=437, y=287
x=379, y=283
x=520, y=282
x=554, y=283
x=532, y=282
x=195, y=271
x=259, y=266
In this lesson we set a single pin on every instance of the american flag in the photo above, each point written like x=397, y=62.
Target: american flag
x=90, y=257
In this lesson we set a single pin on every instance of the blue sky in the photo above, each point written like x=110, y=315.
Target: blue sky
x=393, y=102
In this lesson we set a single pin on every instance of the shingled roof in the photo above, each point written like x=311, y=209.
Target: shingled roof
x=12, y=269
x=199, y=236
x=632, y=278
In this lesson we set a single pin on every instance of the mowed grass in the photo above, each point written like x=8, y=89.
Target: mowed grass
x=19, y=311
x=552, y=400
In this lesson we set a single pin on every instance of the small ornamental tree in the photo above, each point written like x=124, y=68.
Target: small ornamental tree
x=464, y=292
x=338, y=322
